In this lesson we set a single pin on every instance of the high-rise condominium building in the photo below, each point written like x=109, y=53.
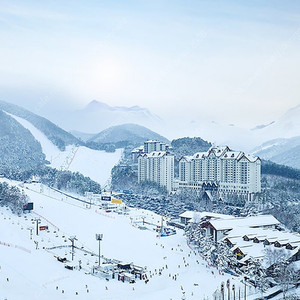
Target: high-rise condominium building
x=157, y=166
x=233, y=171
x=153, y=145
x=149, y=146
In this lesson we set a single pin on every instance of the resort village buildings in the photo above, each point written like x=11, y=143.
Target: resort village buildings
x=231, y=171
x=249, y=237
x=219, y=168
x=155, y=164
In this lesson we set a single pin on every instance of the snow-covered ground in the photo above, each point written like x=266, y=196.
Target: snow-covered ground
x=29, y=269
x=30, y=273
x=92, y=163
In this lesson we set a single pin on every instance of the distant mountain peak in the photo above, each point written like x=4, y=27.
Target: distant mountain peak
x=99, y=105
x=291, y=113
x=262, y=126
x=134, y=133
x=98, y=115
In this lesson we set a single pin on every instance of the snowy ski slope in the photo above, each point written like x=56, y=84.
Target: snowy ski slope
x=29, y=268
x=92, y=163
x=36, y=274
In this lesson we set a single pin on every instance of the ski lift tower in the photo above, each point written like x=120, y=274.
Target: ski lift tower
x=72, y=239
x=99, y=237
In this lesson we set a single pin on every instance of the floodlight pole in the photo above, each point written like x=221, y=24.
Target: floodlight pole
x=99, y=237
x=99, y=255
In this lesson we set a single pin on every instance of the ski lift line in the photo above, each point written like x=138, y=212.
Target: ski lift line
x=75, y=198
x=86, y=251
x=74, y=154
x=107, y=260
x=43, y=194
x=57, y=198
x=69, y=246
x=65, y=246
x=58, y=247
x=69, y=158
x=46, y=220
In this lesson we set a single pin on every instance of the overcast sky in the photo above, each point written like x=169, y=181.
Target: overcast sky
x=229, y=61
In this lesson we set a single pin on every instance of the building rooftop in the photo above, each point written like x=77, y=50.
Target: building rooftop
x=197, y=216
x=254, y=221
x=223, y=152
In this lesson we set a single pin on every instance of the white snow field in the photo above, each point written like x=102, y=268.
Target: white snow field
x=30, y=273
x=92, y=163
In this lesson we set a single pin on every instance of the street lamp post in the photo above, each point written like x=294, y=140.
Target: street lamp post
x=99, y=237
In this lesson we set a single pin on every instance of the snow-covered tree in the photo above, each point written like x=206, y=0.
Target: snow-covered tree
x=256, y=272
x=223, y=257
x=281, y=268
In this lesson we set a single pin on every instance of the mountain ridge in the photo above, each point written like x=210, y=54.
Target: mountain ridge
x=54, y=133
x=97, y=116
x=134, y=133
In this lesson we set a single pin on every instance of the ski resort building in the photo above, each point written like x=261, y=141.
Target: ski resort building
x=153, y=145
x=219, y=228
x=148, y=147
x=247, y=237
x=158, y=167
x=195, y=216
x=136, y=152
x=231, y=171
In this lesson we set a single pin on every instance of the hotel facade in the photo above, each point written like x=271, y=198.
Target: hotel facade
x=156, y=166
x=232, y=171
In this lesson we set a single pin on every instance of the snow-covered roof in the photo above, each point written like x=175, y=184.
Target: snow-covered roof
x=196, y=215
x=257, y=250
x=222, y=152
x=252, y=158
x=186, y=157
x=253, y=221
x=156, y=154
x=199, y=155
x=232, y=155
x=152, y=141
x=138, y=149
x=218, y=150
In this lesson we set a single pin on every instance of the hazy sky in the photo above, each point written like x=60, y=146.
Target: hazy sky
x=229, y=61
